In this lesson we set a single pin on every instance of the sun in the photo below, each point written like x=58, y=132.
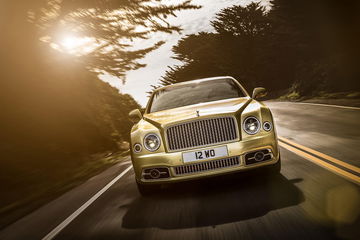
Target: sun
x=75, y=44
x=71, y=42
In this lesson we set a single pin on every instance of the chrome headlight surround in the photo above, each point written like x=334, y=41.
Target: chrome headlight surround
x=152, y=142
x=251, y=125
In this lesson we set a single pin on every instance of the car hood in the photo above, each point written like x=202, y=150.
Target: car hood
x=228, y=106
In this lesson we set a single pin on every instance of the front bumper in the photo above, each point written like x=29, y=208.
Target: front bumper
x=174, y=159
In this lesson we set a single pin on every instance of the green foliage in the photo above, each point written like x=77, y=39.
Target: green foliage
x=302, y=45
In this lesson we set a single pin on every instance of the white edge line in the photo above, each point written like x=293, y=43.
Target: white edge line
x=325, y=105
x=69, y=219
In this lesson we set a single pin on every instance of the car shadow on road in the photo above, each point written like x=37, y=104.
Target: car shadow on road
x=212, y=202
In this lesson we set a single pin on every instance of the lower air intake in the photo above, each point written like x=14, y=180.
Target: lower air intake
x=252, y=158
x=207, y=166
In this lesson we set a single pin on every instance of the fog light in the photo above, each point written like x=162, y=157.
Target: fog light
x=137, y=147
x=267, y=126
x=259, y=156
x=154, y=173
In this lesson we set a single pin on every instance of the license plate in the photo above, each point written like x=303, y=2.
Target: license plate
x=205, y=154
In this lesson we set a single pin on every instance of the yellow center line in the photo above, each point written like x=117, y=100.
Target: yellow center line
x=321, y=155
x=321, y=163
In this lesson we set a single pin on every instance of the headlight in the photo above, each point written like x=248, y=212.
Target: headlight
x=152, y=142
x=251, y=125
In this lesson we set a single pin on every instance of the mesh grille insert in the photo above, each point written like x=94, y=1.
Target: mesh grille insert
x=207, y=166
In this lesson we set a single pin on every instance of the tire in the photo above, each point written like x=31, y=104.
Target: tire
x=147, y=190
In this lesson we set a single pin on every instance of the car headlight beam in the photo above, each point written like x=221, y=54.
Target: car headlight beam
x=152, y=142
x=251, y=125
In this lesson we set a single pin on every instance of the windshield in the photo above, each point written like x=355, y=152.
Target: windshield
x=193, y=93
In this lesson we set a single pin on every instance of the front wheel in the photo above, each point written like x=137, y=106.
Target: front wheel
x=147, y=190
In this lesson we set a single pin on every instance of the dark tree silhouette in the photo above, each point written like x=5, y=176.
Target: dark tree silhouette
x=234, y=49
x=249, y=21
x=300, y=46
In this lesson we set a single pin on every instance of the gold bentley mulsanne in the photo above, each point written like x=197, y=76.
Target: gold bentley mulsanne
x=201, y=128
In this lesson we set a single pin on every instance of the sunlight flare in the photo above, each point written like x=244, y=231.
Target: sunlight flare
x=75, y=45
x=72, y=42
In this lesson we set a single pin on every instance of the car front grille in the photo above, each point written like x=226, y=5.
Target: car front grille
x=201, y=133
x=207, y=166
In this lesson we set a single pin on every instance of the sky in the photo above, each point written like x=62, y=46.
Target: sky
x=139, y=82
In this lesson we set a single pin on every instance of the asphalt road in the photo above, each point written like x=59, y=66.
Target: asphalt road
x=314, y=197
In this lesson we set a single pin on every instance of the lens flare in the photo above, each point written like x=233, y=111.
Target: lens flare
x=71, y=42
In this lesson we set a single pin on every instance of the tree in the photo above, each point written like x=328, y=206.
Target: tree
x=302, y=45
x=55, y=113
x=250, y=21
x=311, y=41
x=45, y=86
x=234, y=49
x=113, y=26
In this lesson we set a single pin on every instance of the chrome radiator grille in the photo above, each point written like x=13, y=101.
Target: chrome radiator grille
x=201, y=133
x=207, y=166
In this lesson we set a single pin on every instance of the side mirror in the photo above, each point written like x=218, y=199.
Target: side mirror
x=135, y=115
x=259, y=92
